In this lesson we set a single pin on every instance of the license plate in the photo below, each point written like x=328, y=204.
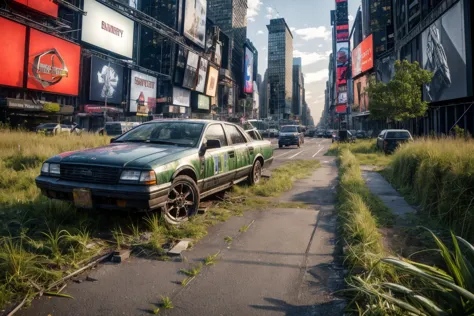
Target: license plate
x=82, y=198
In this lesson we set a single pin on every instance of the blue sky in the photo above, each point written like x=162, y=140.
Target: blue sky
x=309, y=21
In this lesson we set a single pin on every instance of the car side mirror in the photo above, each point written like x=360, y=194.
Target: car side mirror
x=213, y=143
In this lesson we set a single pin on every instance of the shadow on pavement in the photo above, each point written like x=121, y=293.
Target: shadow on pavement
x=330, y=308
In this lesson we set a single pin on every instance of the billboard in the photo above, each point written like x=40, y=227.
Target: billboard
x=385, y=69
x=342, y=54
x=107, y=29
x=341, y=11
x=195, y=21
x=12, y=54
x=341, y=76
x=342, y=33
x=53, y=64
x=182, y=54
x=181, y=97
x=106, y=81
x=202, y=74
x=218, y=54
x=142, y=93
x=248, y=71
x=190, y=73
x=341, y=108
x=363, y=57
x=342, y=98
x=203, y=102
x=212, y=78
x=47, y=7
x=361, y=97
x=444, y=54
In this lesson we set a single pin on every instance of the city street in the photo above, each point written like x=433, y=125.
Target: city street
x=286, y=263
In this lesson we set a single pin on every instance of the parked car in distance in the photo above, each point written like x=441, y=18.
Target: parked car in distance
x=168, y=165
x=361, y=134
x=389, y=140
x=319, y=134
x=56, y=129
x=290, y=135
x=117, y=128
x=328, y=134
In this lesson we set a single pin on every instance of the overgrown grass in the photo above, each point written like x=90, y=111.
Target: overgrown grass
x=438, y=175
x=365, y=151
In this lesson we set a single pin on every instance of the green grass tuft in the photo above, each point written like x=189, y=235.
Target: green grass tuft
x=192, y=272
x=166, y=302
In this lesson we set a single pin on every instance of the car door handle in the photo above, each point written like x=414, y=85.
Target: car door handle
x=231, y=154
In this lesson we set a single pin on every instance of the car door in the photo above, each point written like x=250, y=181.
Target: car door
x=242, y=158
x=218, y=165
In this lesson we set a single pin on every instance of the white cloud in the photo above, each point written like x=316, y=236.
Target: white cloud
x=292, y=29
x=310, y=58
x=259, y=32
x=320, y=45
x=350, y=17
x=312, y=77
x=320, y=97
x=271, y=13
x=308, y=97
x=308, y=93
x=314, y=32
x=253, y=9
x=264, y=48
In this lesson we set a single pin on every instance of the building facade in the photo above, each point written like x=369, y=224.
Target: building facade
x=280, y=68
x=297, y=88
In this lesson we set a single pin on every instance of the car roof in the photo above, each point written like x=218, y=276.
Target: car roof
x=206, y=122
x=396, y=130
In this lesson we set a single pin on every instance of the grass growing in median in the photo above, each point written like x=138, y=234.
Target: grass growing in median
x=364, y=150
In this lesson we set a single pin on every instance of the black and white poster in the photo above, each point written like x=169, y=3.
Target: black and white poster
x=385, y=69
x=180, y=65
x=106, y=81
x=444, y=54
x=191, y=71
x=195, y=21
x=202, y=75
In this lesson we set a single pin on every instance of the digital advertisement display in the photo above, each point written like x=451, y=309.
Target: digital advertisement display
x=142, y=93
x=12, y=53
x=363, y=57
x=195, y=21
x=53, y=64
x=106, y=81
x=211, y=87
x=341, y=11
x=47, y=7
x=181, y=97
x=444, y=54
x=107, y=29
x=204, y=102
x=385, y=69
x=202, y=75
x=248, y=71
x=341, y=76
x=361, y=97
x=342, y=98
x=190, y=73
x=341, y=109
x=218, y=54
x=342, y=54
x=180, y=65
x=342, y=33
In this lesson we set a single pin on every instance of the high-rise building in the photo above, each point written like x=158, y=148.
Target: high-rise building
x=264, y=97
x=297, y=87
x=231, y=17
x=377, y=16
x=280, y=68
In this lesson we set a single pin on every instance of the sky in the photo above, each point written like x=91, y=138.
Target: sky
x=310, y=24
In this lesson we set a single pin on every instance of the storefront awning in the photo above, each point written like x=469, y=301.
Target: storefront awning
x=39, y=106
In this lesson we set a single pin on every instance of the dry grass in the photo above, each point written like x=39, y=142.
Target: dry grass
x=364, y=150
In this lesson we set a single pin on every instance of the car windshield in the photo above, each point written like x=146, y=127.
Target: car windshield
x=114, y=129
x=398, y=135
x=289, y=129
x=171, y=133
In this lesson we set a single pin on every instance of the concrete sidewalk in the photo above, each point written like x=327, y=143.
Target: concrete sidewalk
x=284, y=264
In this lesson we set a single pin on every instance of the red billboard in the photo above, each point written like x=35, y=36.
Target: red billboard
x=363, y=57
x=53, y=64
x=12, y=54
x=44, y=6
x=341, y=108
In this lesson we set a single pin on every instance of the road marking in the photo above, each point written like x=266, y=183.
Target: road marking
x=317, y=152
x=296, y=154
x=289, y=152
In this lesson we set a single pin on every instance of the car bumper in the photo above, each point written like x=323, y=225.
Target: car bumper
x=119, y=196
x=288, y=141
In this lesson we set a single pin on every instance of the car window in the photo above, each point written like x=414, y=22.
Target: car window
x=235, y=135
x=254, y=135
x=216, y=132
x=289, y=129
x=398, y=135
x=174, y=133
x=381, y=133
x=64, y=126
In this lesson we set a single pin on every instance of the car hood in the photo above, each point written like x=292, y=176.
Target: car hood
x=128, y=155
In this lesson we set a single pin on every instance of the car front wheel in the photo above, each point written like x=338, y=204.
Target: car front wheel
x=256, y=173
x=183, y=200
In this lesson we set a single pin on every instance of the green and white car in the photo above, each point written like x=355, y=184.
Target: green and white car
x=167, y=164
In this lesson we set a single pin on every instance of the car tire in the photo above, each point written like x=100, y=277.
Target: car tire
x=183, y=201
x=255, y=173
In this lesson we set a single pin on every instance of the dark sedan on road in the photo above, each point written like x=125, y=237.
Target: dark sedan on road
x=168, y=165
x=389, y=140
x=290, y=135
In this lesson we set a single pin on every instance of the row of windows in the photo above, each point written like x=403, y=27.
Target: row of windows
x=216, y=132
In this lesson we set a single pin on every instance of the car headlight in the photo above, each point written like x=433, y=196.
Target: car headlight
x=45, y=168
x=54, y=169
x=295, y=134
x=141, y=177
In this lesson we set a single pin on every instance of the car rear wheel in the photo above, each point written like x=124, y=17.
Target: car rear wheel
x=256, y=173
x=183, y=200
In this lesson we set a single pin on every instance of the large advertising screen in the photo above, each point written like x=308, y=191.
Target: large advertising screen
x=248, y=71
x=385, y=69
x=142, y=93
x=191, y=71
x=363, y=57
x=195, y=21
x=361, y=97
x=342, y=54
x=181, y=97
x=107, y=29
x=342, y=33
x=12, y=53
x=444, y=54
x=211, y=87
x=106, y=81
x=53, y=64
x=203, y=102
x=180, y=65
x=202, y=74
x=341, y=76
x=47, y=7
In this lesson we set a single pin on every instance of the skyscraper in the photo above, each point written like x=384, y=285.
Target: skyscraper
x=280, y=68
x=297, y=87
